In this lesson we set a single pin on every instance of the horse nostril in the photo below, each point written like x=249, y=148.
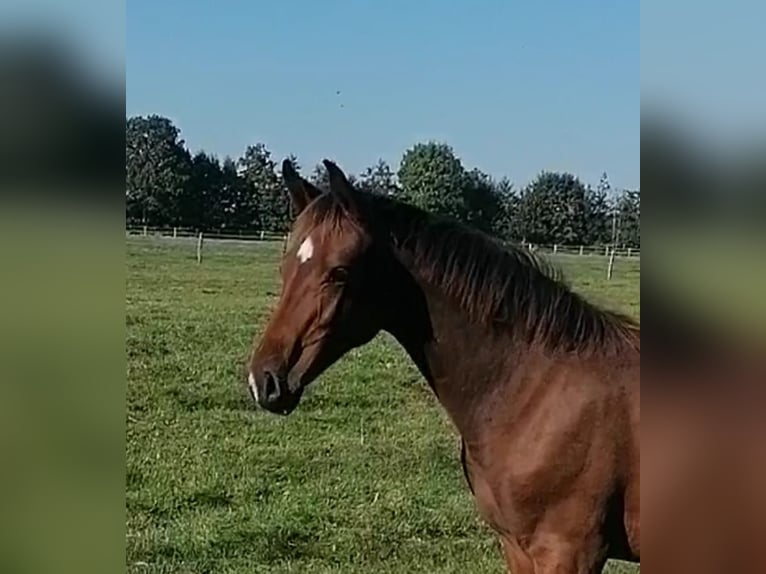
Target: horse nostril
x=270, y=386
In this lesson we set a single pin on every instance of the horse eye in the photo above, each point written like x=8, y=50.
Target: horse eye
x=338, y=274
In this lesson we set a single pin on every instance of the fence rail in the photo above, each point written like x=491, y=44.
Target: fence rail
x=256, y=235
x=603, y=250
x=243, y=235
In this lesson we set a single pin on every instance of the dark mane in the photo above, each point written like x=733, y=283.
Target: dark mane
x=500, y=285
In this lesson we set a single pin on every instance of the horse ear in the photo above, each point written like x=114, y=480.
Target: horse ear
x=341, y=188
x=301, y=191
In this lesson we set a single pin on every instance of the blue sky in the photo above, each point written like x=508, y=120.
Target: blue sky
x=514, y=87
x=702, y=68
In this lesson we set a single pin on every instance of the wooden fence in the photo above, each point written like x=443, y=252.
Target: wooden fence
x=255, y=235
x=175, y=232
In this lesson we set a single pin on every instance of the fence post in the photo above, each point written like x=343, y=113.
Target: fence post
x=628, y=251
x=146, y=230
x=581, y=249
x=199, y=248
x=606, y=251
x=610, y=267
x=555, y=249
x=262, y=234
x=175, y=232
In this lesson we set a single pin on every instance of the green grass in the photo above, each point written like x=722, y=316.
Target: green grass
x=363, y=477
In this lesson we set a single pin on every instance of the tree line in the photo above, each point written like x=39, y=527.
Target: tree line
x=168, y=186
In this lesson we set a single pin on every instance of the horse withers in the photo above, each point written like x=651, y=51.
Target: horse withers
x=543, y=386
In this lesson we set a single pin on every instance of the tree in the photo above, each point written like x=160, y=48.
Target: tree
x=433, y=178
x=258, y=169
x=200, y=205
x=599, y=213
x=157, y=167
x=506, y=224
x=483, y=201
x=379, y=179
x=553, y=209
x=165, y=185
x=629, y=218
x=240, y=209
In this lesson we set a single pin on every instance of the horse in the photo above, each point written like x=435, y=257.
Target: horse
x=542, y=385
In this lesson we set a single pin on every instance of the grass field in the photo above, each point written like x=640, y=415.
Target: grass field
x=363, y=477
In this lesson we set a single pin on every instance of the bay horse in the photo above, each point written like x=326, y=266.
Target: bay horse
x=543, y=386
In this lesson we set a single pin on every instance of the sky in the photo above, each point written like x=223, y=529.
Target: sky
x=701, y=68
x=514, y=87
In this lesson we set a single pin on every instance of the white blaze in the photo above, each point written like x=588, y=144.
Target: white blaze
x=306, y=250
x=253, y=386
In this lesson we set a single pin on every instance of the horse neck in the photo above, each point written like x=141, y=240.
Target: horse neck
x=462, y=361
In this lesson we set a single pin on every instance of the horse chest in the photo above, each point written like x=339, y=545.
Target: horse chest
x=491, y=494
x=513, y=481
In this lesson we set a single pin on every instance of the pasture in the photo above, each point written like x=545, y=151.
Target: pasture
x=365, y=476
